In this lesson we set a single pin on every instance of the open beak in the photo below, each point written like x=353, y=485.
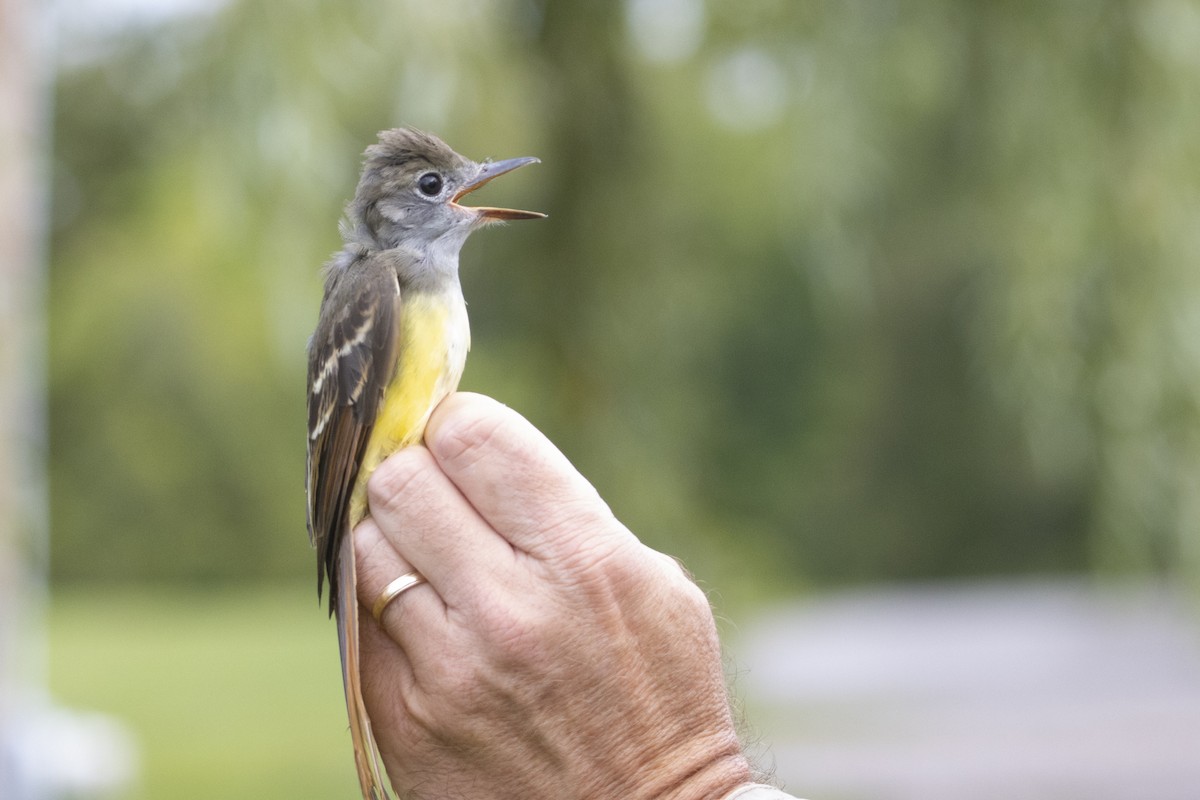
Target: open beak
x=495, y=169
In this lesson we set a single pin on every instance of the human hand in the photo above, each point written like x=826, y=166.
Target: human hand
x=551, y=654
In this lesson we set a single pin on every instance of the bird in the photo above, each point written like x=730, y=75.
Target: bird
x=390, y=343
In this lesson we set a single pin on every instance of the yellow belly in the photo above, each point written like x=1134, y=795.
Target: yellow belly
x=434, y=339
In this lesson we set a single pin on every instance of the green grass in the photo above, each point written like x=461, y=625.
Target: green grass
x=230, y=694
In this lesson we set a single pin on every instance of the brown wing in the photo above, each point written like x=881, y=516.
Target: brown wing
x=351, y=360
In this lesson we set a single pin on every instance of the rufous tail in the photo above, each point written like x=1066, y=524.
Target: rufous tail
x=366, y=752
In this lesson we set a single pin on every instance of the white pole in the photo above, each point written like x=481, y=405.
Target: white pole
x=24, y=125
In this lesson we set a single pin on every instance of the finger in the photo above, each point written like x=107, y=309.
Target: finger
x=516, y=478
x=427, y=520
x=388, y=685
x=387, y=671
x=411, y=614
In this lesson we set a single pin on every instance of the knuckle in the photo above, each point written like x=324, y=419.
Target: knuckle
x=584, y=515
x=675, y=579
x=391, y=484
x=693, y=595
x=467, y=691
x=442, y=705
x=461, y=438
x=517, y=635
x=588, y=537
x=460, y=684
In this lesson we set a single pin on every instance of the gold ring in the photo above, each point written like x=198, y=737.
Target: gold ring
x=393, y=590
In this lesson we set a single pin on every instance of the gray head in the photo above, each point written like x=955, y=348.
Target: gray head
x=409, y=191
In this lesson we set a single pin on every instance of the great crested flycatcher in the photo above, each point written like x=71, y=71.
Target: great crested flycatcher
x=390, y=344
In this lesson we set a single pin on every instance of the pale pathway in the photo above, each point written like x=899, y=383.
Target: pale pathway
x=1017, y=691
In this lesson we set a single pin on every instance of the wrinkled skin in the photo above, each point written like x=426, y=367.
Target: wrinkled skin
x=550, y=654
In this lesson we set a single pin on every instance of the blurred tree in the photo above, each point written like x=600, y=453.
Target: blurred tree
x=828, y=292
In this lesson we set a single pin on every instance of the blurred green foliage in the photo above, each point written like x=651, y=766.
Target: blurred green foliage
x=215, y=708
x=829, y=291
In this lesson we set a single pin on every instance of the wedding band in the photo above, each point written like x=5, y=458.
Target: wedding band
x=393, y=590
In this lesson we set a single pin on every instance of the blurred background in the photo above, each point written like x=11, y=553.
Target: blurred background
x=834, y=301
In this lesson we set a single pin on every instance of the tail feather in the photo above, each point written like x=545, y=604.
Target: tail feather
x=366, y=752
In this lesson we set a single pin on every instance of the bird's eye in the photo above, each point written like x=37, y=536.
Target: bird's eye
x=430, y=184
